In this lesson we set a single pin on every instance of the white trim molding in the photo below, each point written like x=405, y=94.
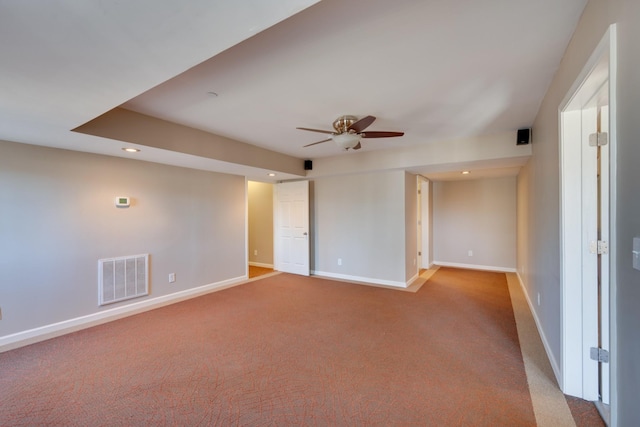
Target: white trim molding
x=31, y=336
x=260, y=264
x=475, y=267
x=552, y=360
x=363, y=280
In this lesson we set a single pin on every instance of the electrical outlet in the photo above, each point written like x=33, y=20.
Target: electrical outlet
x=255, y=252
x=172, y=277
x=470, y=253
x=339, y=261
x=538, y=299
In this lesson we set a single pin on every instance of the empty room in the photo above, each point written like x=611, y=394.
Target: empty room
x=303, y=212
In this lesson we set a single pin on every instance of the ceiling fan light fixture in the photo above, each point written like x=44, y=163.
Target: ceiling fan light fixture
x=346, y=140
x=348, y=132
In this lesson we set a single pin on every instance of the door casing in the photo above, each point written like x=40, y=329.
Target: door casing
x=579, y=374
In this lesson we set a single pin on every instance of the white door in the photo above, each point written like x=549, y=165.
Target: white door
x=587, y=124
x=595, y=252
x=603, y=257
x=292, y=227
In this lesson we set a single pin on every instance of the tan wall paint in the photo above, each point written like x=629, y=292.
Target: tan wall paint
x=58, y=218
x=539, y=190
x=125, y=125
x=478, y=216
x=260, y=198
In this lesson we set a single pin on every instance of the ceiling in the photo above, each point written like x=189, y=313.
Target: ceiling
x=439, y=70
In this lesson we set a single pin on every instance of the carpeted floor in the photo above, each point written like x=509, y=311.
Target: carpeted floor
x=287, y=350
x=584, y=413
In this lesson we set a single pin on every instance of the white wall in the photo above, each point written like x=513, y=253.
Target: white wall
x=361, y=220
x=478, y=216
x=538, y=226
x=58, y=218
x=260, y=207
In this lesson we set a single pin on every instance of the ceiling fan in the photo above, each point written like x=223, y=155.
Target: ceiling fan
x=349, y=130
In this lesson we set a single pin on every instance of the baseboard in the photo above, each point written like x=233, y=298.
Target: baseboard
x=475, y=267
x=260, y=264
x=413, y=279
x=543, y=337
x=363, y=280
x=31, y=336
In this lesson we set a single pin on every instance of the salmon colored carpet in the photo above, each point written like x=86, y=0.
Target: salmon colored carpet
x=286, y=350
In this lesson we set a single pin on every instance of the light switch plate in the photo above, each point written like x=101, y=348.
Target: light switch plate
x=636, y=253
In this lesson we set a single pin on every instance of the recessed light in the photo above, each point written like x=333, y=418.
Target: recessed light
x=465, y=172
x=131, y=150
x=272, y=174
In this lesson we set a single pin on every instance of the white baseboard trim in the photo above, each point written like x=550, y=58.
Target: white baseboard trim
x=410, y=281
x=31, y=336
x=543, y=337
x=260, y=264
x=475, y=267
x=363, y=280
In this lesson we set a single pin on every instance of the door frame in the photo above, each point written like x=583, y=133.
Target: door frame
x=424, y=228
x=600, y=69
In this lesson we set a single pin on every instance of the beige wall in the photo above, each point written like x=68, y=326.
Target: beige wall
x=58, y=218
x=361, y=220
x=539, y=190
x=478, y=216
x=260, y=208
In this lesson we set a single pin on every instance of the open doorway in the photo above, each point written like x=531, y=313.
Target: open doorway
x=259, y=228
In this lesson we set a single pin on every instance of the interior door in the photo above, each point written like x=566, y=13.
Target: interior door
x=603, y=256
x=292, y=227
x=595, y=220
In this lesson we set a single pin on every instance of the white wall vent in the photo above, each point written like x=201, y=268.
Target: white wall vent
x=122, y=278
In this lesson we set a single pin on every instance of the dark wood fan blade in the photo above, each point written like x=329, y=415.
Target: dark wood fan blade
x=317, y=130
x=380, y=134
x=319, y=142
x=357, y=147
x=362, y=124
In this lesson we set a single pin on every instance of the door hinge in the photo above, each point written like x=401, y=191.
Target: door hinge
x=599, y=247
x=599, y=355
x=598, y=139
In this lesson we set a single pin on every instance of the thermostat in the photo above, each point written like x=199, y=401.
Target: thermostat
x=122, y=202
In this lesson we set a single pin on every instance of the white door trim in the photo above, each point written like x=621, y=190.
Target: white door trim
x=599, y=69
x=424, y=230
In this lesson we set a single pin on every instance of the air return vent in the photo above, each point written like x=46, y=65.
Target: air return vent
x=122, y=278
